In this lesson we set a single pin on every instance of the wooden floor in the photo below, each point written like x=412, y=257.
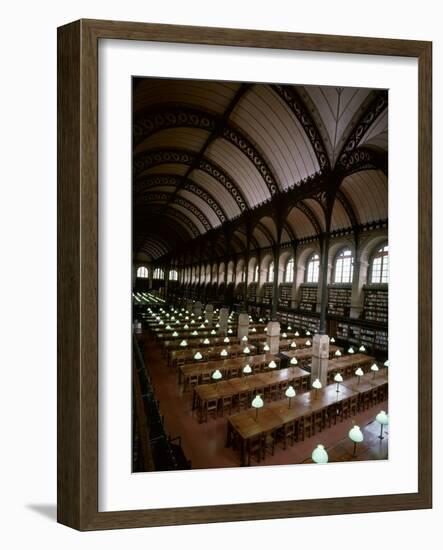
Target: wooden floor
x=204, y=444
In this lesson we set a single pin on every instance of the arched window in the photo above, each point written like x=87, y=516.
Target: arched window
x=312, y=268
x=242, y=276
x=289, y=272
x=158, y=273
x=142, y=272
x=380, y=265
x=255, y=276
x=343, y=266
x=271, y=273
x=173, y=275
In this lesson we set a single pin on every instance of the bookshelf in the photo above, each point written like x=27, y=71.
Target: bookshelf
x=285, y=295
x=339, y=301
x=252, y=292
x=267, y=296
x=308, y=299
x=376, y=303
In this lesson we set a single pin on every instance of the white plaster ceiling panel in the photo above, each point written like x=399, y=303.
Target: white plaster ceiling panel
x=265, y=118
x=316, y=207
x=202, y=205
x=368, y=191
x=340, y=218
x=212, y=96
x=300, y=223
x=218, y=191
x=189, y=215
x=167, y=168
x=270, y=226
x=261, y=238
x=377, y=134
x=334, y=111
x=242, y=170
x=191, y=139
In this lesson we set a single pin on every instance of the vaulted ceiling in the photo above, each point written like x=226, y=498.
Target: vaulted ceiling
x=207, y=153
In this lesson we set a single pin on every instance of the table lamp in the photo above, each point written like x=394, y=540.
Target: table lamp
x=175, y=334
x=161, y=322
x=257, y=403
x=337, y=353
x=308, y=343
x=168, y=327
x=338, y=378
x=332, y=340
x=272, y=364
x=293, y=345
x=186, y=326
x=216, y=375
x=383, y=419
x=246, y=350
x=223, y=353
x=351, y=350
x=194, y=333
x=226, y=340
x=297, y=334
x=206, y=341
x=356, y=436
x=247, y=369
x=362, y=349
x=293, y=361
x=308, y=333
x=244, y=339
x=198, y=356
x=266, y=347
x=386, y=363
x=213, y=332
x=284, y=335
x=253, y=329
x=319, y=455
x=290, y=392
x=374, y=369
x=183, y=343
x=359, y=373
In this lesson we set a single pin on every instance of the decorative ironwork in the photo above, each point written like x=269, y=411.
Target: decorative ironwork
x=374, y=110
x=173, y=181
x=363, y=158
x=310, y=215
x=164, y=197
x=297, y=106
x=171, y=117
x=143, y=161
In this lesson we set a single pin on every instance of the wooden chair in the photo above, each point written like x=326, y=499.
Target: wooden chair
x=268, y=444
x=318, y=421
x=305, y=427
x=255, y=448
x=288, y=433
x=304, y=384
x=353, y=405
x=243, y=401
x=205, y=378
x=211, y=408
x=226, y=404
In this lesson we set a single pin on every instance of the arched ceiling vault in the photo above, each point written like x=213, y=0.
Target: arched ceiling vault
x=207, y=154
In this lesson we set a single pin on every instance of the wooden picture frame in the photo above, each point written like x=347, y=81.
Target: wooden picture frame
x=78, y=274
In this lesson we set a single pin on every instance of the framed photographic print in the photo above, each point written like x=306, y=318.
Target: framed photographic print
x=244, y=275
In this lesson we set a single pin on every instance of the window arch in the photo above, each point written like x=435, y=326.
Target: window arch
x=271, y=272
x=343, y=266
x=313, y=268
x=173, y=275
x=289, y=271
x=380, y=266
x=158, y=273
x=142, y=272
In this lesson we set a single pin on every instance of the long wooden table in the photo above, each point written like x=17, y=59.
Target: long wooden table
x=247, y=425
x=208, y=353
x=348, y=364
x=371, y=388
x=193, y=374
x=304, y=355
x=248, y=385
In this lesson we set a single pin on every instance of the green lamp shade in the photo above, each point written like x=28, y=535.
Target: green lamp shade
x=293, y=361
x=293, y=345
x=338, y=377
x=246, y=350
x=257, y=402
x=198, y=356
x=272, y=365
x=266, y=347
x=290, y=392
x=229, y=330
x=308, y=343
x=359, y=372
x=247, y=369
x=216, y=375
x=362, y=349
x=206, y=341
x=316, y=384
x=253, y=329
x=284, y=335
x=223, y=353
x=175, y=334
x=355, y=434
x=308, y=333
x=319, y=455
x=213, y=332
x=337, y=353
x=194, y=333
x=244, y=339
x=374, y=367
x=183, y=343
x=226, y=340
x=382, y=418
x=297, y=334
